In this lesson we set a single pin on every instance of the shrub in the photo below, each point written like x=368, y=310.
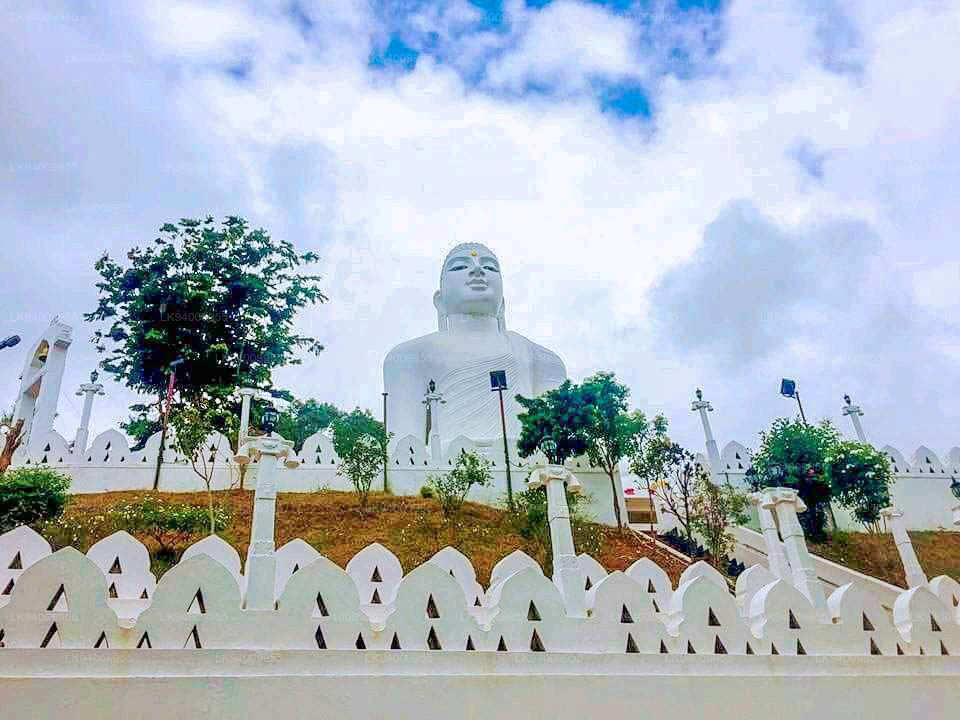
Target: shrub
x=528, y=518
x=426, y=492
x=860, y=478
x=166, y=523
x=452, y=487
x=31, y=495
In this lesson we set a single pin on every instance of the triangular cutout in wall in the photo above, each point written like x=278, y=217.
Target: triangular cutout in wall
x=115, y=568
x=718, y=648
x=321, y=641
x=532, y=613
x=321, y=606
x=17, y=563
x=395, y=643
x=59, y=601
x=632, y=644
x=432, y=641
x=625, y=616
x=52, y=638
x=536, y=644
x=193, y=639
x=102, y=641
x=432, y=609
x=197, y=606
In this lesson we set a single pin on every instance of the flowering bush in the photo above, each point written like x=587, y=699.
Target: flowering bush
x=30, y=495
x=860, y=478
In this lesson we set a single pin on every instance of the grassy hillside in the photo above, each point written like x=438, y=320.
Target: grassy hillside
x=876, y=554
x=411, y=527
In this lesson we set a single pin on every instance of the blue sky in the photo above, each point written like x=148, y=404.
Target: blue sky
x=713, y=194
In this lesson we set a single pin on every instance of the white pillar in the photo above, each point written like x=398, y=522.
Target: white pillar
x=855, y=414
x=776, y=557
x=787, y=504
x=433, y=399
x=261, y=565
x=89, y=391
x=567, y=575
x=911, y=564
x=713, y=453
x=245, y=396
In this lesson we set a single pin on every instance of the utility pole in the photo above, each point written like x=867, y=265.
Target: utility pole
x=498, y=383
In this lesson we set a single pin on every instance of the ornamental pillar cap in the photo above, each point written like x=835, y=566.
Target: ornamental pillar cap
x=541, y=476
x=891, y=512
x=769, y=498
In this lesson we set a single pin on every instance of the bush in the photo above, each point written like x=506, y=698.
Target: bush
x=528, y=518
x=452, y=487
x=31, y=495
x=426, y=492
x=166, y=523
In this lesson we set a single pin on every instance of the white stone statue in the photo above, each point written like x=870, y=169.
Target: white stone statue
x=472, y=341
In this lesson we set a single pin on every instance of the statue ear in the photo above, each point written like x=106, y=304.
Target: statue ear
x=441, y=311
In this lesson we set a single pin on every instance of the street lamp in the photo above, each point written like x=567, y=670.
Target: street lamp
x=788, y=388
x=549, y=448
x=498, y=383
x=269, y=419
x=9, y=342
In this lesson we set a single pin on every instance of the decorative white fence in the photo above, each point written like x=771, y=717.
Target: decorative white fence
x=108, y=600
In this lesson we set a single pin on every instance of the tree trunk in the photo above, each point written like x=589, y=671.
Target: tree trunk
x=213, y=527
x=616, y=500
x=14, y=438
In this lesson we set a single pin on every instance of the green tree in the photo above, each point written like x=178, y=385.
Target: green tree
x=300, y=420
x=562, y=415
x=860, y=480
x=675, y=481
x=615, y=433
x=651, y=461
x=221, y=297
x=451, y=488
x=194, y=424
x=794, y=454
x=715, y=508
x=360, y=442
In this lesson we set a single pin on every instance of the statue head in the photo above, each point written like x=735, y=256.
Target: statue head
x=470, y=284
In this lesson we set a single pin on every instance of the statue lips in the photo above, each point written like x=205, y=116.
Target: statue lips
x=478, y=285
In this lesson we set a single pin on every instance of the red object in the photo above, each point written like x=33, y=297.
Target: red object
x=170, y=384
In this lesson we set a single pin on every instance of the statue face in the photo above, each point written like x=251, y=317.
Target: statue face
x=470, y=283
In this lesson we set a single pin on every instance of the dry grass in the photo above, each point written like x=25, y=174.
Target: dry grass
x=332, y=522
x=876, y=554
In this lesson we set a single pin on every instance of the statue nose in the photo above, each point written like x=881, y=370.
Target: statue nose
x=477, y=270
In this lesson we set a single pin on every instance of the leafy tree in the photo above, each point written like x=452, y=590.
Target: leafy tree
x=360, y=441
x=678, y=478
x=221, y=297
x=650, y=460
x=860, y=480
x=31, y=494
x=562, y=415
x=715, y=507
x=300, y=420
x=141, y=426
x=194, y=424
x=615, y=433
x=451, y=488
x=794, y=454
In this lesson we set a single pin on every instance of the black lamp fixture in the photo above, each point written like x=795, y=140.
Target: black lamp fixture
x=269, y=419
x=955, y=487
x=788, y=388
x=9, y=342
x=94, y=376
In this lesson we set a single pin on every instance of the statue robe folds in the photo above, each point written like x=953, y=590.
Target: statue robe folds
x=461, y=367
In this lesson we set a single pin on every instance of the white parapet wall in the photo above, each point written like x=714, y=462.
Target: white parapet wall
x=97, y=636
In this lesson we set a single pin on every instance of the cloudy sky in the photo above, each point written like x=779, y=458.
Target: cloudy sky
x=685, y=192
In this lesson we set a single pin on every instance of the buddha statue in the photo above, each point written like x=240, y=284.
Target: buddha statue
x=442, y=380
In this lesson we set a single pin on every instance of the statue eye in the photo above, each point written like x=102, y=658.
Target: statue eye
x=458, y=266
x=491, y=268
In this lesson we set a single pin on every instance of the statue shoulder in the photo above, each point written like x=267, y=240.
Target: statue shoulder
x=547, y=361
x=412, y=348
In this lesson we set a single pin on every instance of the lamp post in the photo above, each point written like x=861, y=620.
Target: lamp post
x=855, y=414
x=432, y=399
x=261, y=568
x=703, y=407
x=498, y=383
x=89, y=391
x=567, y=574
x=788, y=388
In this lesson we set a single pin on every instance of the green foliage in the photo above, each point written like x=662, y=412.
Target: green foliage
x=651, y=460
x=562, y=415
x=300, y=420
x=860, y=479
x=528, y=518
x=615, y=433
x=222, y=297
x=360, y=441
x=140, y=426
x=793, y=454
x=426, y=492
x=715, y=507
x=167, y=523
x=452, y=487
x=674, y=480
x=31, y=495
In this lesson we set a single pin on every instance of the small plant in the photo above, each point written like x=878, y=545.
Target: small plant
x=361, y=443
x=528, y=518
x=31, y=495
x=452, y=487
x=426, y=491
x=715, y=508
x=167, y=524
